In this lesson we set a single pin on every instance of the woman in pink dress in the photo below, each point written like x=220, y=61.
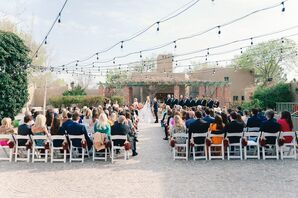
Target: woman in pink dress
x=286, y=125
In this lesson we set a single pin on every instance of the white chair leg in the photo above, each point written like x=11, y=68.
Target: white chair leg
x=106, y=154
x=277, y=154
x=259, y=154
x=52, y=155
x=281, y=153
x=206, y=153
x=70, y=154
x=209, y=150
x=228, y=152
x=174, y=148
x=241, y=155
x=46, y=156
x=186, y=154
x=245, y=152
x=222, y=152
x=112, y=155
x=194, y=153
x=93, y=154
x=263, y=153
x=83, y=154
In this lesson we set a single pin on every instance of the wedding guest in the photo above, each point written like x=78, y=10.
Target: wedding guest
x=270, y=126
x=39, y=128
x=25, y=129
x=217, y=127
x=87, y=119
x=102, y=125
x=239, y=119
x=198, y=126
x=113, y=118
x=55, y=126
x=191, y=119
x=254, y=120
x=178, y=127
x=286, y=125
x=208, y=117
x=245, y=116
x=155, y=109
x=5, y=128
x=233, y=127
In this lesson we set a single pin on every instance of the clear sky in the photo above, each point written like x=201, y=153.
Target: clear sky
x=91, y=25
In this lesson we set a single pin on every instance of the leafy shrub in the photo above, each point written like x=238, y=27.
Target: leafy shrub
x=76, y=91
x=119, y=99
x=269, y=96
x=80, y=101
x=251, y=104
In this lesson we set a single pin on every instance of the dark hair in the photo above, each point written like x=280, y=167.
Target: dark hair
x=239, y=118
x=224, y=118
x=270, y=113
x=255, y=111
x=239, y=108
x=69, y=115
x=198, y=114
x=49, y=117
x=76, y=116
x=55, y=126
x=36, y=113
x=27, y=118
x=207, y=111
x=246, y=112
x=233, y=115
x=211, y=112
x=229, y=111
x=219, y=122
x=287, y=116
x=127, y=115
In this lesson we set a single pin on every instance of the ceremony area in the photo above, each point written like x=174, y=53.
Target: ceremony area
x=173, y=98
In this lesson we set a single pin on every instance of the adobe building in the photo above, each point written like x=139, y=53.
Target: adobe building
x=225, y=84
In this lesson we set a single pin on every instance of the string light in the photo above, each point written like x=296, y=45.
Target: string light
x=157, y=29
x=97, y=56
x=208, y=51
x=59, y=19
x=175, y=45
x=219, y=32
x=283, y=7
x=213, y=73
x=114, y=61
x=122, y=44
x=141, y=54
x=251, y=41
x=45, y=41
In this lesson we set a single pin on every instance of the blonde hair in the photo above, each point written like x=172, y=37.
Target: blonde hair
x=88, y=113
x=40, y=121
x=64, y=113
x=113, y=117
x=178, y=121
x=102, y=121
x=6, y=122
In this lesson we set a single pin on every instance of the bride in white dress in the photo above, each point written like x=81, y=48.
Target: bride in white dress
x=146, y=115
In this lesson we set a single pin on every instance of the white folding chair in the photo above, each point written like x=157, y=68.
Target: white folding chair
x=55, y=150
x=7, y=151
x=19, y=154
x=235, y=145
x=203, y=153
x=291, y=146
x=100, y=155
x=212, y=145
x=273, y=148
x=37, y=155
x=252, y=144
x=74, y=151
x=178, y=149
x=115, y=147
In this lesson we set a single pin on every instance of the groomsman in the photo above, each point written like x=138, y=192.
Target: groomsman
x=175, y=102
x=204, y=102
x=210, y=103
x=186, y=102
x=155, y=109
x=216, y=103
x=198, y=102
x=192, y=102
x=181, y=101
x=168, y=100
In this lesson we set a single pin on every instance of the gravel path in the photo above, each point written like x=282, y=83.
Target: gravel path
x=152, y=174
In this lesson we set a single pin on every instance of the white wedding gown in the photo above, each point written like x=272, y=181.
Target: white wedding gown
x=146, y=115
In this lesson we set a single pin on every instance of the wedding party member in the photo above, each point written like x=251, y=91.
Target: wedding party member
x=155, y=109
x=146, y=115
x=181, y=101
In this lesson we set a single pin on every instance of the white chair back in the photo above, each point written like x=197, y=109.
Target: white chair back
x=239, y=134
x=8, y=155
x=253, y=129
x=195, y=135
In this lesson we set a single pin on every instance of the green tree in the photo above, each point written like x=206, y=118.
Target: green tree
x=75, y=91
x=267, y=97
x=13, y=75
x=269, y=60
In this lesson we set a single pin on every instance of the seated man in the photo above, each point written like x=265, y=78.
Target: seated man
x=25, y=129
x=121, y=128
x=254, y=120
x=208, y=118
x=75, y=128
x=198, y=126
x=191, y=119
x=233, y=127
x=270, y=126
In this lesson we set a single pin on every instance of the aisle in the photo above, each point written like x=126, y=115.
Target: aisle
x=151, y=174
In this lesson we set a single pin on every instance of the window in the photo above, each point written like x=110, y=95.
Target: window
x=226, y=79
x=235, y=98
x=242, y=98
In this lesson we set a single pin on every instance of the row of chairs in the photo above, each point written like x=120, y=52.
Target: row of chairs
x=57, y=147
x=249, y=146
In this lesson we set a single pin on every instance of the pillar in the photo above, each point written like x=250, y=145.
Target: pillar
x=127, y=94
x=226, y=95
x=141, y=94
x=202, y=91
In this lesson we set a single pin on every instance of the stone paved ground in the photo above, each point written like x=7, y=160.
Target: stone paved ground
x=152, y=174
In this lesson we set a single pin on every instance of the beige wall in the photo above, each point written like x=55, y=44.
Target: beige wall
x=239, y=79
x=164, y=63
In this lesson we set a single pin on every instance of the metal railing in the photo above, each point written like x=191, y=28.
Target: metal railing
x=287, y=106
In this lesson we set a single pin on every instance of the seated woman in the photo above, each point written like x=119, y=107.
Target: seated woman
x=112, y=118
x=5, y=128
x=102, y=125
x=286, y=125
x=216, y=127
x=39, y=128
x=178, y=127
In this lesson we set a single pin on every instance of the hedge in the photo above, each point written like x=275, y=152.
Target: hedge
x=119, y=99
x=80, y=101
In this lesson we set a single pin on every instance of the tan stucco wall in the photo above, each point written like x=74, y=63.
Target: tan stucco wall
x=239, y=79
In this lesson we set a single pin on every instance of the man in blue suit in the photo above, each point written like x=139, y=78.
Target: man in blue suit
x=208, y=118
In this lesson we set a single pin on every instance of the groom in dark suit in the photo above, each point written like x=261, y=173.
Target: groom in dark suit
x=155, y=109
